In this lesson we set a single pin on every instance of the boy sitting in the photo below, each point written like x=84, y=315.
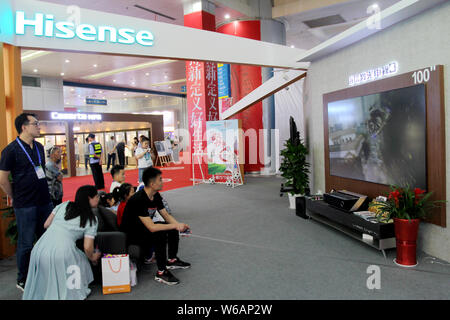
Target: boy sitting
x=118, y=175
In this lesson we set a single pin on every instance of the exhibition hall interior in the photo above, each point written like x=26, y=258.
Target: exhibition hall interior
x=301, y=146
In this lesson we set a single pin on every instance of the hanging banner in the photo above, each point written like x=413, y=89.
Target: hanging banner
x=223, y=77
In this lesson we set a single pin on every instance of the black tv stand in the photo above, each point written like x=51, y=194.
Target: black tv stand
x=382, y=234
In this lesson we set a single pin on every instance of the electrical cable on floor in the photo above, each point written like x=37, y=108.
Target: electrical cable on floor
x=318, y=256
x=434, y=260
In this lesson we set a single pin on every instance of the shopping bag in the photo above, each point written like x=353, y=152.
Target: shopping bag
x=116, y=273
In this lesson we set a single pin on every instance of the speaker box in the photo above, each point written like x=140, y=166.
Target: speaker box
x=300, y=207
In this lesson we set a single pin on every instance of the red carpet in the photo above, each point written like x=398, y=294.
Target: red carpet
x=174, y=177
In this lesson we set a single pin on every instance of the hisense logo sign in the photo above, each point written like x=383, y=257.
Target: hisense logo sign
x=44, y=25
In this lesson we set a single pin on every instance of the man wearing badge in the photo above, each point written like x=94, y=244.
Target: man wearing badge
x=24, y=160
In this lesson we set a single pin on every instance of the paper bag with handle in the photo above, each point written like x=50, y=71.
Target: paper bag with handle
x=116, y=273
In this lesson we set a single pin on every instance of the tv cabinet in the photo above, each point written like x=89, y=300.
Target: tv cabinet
x=382, y=234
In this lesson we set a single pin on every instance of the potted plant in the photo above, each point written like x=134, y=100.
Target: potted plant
x=406, y=206
x=295, y=169
x=8, y=232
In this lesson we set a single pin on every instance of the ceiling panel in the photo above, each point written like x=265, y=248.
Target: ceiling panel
x=76, y=66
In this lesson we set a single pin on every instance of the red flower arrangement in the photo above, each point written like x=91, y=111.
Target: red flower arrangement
x=406, y=203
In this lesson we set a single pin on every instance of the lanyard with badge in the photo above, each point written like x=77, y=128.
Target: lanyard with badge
x=39, y=171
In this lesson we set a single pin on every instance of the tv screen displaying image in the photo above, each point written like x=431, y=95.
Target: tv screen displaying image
x=380, y=138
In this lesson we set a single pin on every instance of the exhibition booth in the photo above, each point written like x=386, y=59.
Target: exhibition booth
x=370, y=120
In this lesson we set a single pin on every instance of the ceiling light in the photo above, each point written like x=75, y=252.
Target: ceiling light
x=168, y=82
x=72, y=90
x=126, y=69
x=227, y=16
x=114, y=80
x=62, y=73
x=292, y=46
x=170, y=87
x=100, y=91
x=104, y=98
x=32, y=54
x=76, y=128
x=35, y=70
x=147, y=74
x=165, y=77
x=146, y=96
x=124, y=94
x=67, y=61
x=95, y=66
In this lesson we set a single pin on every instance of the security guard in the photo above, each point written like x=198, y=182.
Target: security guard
x=95, y=161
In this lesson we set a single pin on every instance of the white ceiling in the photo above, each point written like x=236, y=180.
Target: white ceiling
x=78, y=67
x=81, y=66
x=353, y=12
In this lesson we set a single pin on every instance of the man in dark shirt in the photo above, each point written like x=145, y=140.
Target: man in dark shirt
x=120, y=147
x=24, y=159
x=138, y=223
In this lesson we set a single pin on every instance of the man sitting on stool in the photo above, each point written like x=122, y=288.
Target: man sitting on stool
x=138, y=224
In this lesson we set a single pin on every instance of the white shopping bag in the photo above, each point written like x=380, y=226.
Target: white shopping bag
x=116, y=273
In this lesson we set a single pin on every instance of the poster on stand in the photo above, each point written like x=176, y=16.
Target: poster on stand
x=223, y=148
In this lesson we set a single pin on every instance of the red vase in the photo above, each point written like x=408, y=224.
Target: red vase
x=406, y=237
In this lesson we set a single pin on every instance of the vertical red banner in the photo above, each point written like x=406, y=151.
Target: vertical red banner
x=212, y=94
x=196, y=105
x=201, y=97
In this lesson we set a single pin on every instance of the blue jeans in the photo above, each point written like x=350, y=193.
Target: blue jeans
x=30, y=227
x=141, y=171
x=86, y=161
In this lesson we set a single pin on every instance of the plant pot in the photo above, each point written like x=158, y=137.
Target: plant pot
x=300, y=207
x=292, y=200
x=406, y=232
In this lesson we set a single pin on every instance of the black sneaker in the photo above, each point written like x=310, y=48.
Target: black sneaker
x=178, y=264
x=167, y=278
x=20, y=285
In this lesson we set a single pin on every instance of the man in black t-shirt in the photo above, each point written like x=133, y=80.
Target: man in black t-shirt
x=24, y=159
x=138, y=223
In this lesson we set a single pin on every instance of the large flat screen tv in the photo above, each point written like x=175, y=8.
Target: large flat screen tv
x=380, y=138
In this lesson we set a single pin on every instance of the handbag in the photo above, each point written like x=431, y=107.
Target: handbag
x=116, y=273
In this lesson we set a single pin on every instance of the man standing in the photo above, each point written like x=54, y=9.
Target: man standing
x=111, y=150
x=77, y=152
x=24, y=159
x=54, y=176
x=139, y=222
x=120, y=147
x=95, y=162
x=86, y=153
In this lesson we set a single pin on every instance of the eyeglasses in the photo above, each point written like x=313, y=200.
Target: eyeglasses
x=36, y=124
